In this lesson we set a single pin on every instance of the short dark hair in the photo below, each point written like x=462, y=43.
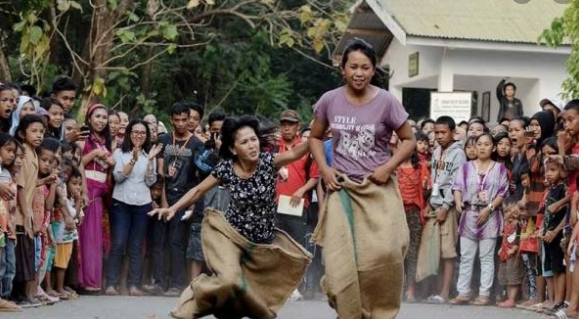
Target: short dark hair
x=215, y=117
x=233, y=124
x=128, y=143
x=446, y=120
x=362, y=46
x=478, y=121
x=63, y=83
x=50, y=144
x=180, y=108
x=47, y=103
x=489, y=135
x=510, y=84
x=24, y=123
x=463, y=122
x=422, y=137
x=573, y=105
x=504, y=119
x=197, y=108
x=426, y=121
x=523, y=119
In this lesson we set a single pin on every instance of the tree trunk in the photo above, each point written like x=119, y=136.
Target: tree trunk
x=104, y=20
x=146, y=74
x=5, y=75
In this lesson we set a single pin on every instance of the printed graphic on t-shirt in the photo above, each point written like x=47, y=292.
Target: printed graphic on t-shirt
x=356, y=141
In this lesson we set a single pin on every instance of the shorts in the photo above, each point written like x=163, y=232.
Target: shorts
x=51, y=252
x=38, y=247
x=535, y=263
x=25, y=256
x=195, y=249
x=554, y=257
x=511, y=272
x=63, y=255
x=448, y=235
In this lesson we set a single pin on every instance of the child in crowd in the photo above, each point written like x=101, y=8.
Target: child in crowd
x=510, y=268
x=446, y=161
x=503, y=151
x=42, y=205
x=8, y=153
x=555, y=210
x=64, y=226
x=30, y=132
x=422, y=148
x=470, y=148
x=413, y=173
x=476, y=127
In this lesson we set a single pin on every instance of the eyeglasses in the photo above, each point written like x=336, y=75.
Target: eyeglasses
x=137, y=133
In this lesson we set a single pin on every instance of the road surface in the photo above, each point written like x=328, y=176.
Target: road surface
x=102, y=307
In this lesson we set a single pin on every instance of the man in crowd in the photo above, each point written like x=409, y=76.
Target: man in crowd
x=510, y=106
x=64, y=91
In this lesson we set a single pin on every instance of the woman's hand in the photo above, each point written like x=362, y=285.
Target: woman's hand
x=381, y=175
x=161, y=213
x=458, y=208
x=483, y=216
x=136, y=153
x=330, y=177
x=549, y=236
x=570, y=248
x=155, y=151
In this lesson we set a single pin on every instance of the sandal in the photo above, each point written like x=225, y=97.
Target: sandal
x=507, y=304
x=111, y=291
x=460, y=300
x=481, y=301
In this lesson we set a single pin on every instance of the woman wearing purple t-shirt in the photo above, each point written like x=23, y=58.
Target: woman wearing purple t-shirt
x=362, y=118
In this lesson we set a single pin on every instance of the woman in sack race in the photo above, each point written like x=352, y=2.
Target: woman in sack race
x=362, y=118
x=250, y=175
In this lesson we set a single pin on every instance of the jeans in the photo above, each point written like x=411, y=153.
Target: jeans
x=8, y=270
x=468, y=250
x=128, y=229
x=169, y=236
x=296, y=227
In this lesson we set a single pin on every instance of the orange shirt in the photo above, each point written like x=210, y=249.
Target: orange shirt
x=296, y=172
x=411, y=182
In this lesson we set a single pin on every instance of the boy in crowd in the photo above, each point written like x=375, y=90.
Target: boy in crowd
x=446, y=160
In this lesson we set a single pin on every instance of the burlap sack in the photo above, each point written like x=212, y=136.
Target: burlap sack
x=364, y=235
x=249, y=280
x=429, y=251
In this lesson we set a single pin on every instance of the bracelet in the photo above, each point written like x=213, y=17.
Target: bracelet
x=132, y=162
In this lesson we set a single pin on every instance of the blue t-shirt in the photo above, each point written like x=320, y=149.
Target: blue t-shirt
x=329, y=152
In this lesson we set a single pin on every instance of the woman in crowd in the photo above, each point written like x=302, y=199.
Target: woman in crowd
x=97, y=160
x=134, y=173
x=479, y=189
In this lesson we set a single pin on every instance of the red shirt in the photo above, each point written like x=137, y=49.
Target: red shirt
x=573, y=176
x=296, y=172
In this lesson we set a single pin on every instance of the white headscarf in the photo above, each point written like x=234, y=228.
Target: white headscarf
x=22, y=100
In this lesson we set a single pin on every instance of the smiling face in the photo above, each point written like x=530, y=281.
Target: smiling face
x=98, y=120
x=246, y=145
x=55, y=116
x=138, y=135
x=358, y=71
x=114, y=122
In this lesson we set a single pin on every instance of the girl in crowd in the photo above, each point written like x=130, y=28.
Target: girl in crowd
x=479, y=189
x=25, y=107
x=114, y=124
x=410, y=174
x=6, y=101
x=470, y=148
x=31, y=133
x=55, y=117
x=476, y=127
x=97, y=159
x=134, y=173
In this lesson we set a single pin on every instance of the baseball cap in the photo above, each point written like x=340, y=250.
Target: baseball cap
x=289, y=116
x=555, y=102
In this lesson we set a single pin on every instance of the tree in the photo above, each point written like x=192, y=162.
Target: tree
x=112, y=44
x=565, y=30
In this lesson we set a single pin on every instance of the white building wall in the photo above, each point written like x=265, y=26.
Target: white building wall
x=537, y=75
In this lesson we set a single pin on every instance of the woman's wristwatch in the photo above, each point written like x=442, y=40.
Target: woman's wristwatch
x=132, y=162
x=491, y=207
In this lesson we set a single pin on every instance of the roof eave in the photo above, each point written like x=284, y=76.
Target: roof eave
x=473, y=44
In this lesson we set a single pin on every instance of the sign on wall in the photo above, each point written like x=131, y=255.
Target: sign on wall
x=457, y=105
x=413, y=65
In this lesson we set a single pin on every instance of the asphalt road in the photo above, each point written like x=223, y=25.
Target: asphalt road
x=157, y=308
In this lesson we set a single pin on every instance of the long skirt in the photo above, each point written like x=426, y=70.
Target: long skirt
x=364, y=235
x=91, y=238
x=249, y=280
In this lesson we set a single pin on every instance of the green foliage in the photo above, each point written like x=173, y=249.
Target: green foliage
x=565, y=30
